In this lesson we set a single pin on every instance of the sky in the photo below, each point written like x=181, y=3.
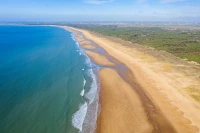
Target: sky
x=100, y=10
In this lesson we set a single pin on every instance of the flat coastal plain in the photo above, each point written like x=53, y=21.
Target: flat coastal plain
x=142, y=90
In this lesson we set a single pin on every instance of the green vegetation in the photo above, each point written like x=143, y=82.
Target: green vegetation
x=182, y=43
x=195, y=93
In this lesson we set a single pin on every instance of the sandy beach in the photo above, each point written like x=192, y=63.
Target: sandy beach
x=142, y=90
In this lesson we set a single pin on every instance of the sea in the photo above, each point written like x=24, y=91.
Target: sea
x=47, y=82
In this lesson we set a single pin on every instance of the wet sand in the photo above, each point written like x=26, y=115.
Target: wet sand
x=99, y=59
x=134, y=97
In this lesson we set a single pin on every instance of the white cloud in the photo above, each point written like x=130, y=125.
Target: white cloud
x=171, y=1
x=97, y=1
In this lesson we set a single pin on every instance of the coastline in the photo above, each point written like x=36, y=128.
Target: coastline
x=137, y=102
x=84, y=119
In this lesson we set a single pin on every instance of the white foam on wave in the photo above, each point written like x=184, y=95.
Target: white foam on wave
x=79, y=117
x=84, y=82
x=89, y=125
x=85, y=117
x=73, y=37
x=93, y=88
x=88, y=61
x=77, y=44
x=83, y=91
x=81, y=52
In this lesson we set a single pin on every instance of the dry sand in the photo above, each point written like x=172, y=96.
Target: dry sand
x=152, y=96
x=122, y=109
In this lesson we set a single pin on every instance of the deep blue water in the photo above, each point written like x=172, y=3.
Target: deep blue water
x=42, y=77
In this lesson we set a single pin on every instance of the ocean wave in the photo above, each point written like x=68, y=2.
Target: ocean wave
x=73, y=37
x=79, y=117
x=89, y=63
x=88, y=112
x=89, y=125
x=93, y=87
x=83, y=91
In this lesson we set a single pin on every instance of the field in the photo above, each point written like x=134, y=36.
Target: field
x=184, y=43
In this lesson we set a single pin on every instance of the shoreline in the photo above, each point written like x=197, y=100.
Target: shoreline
x=155, y=112
x=89, y=110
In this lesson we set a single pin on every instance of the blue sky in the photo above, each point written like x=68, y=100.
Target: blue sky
x=100, y=10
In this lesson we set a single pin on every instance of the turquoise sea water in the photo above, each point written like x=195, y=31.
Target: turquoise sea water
x=47, y=83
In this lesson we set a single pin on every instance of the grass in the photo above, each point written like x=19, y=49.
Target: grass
x=194, y=93
x=182, y=43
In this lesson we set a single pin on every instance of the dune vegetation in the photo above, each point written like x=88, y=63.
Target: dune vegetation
x=184, y=43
